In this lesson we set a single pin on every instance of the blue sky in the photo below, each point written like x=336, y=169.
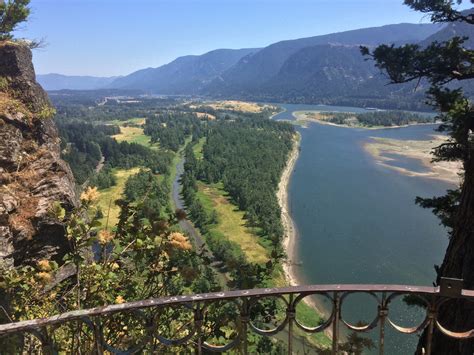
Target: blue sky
x=116, y=37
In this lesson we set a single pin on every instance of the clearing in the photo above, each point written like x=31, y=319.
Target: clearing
x=109, y=195
x=231, y=222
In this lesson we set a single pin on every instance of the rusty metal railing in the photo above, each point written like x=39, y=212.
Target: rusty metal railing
x=103, y=330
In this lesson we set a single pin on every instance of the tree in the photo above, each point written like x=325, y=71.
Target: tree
x=12, y=13
x=440, y=64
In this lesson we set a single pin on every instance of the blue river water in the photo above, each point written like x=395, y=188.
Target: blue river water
x=356, y=220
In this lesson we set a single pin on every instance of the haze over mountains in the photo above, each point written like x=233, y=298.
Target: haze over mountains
x=72, y=82
x=321, y=69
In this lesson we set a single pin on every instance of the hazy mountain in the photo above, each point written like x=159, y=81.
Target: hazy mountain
x=253, y=71
x=60, y=82
x=321, y=69
x=453, y=29
x=185, y=75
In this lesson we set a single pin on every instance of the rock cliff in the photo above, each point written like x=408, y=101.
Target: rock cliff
x=33, y=178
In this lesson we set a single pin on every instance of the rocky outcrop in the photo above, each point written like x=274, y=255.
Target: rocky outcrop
x=33, y=178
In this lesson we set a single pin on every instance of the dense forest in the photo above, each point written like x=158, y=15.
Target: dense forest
x=377, y=118
x=84, y=145
x=170, y=128
x=248, y=156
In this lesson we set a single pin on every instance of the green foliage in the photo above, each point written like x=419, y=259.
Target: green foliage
x=84, y=145
x=141, y=260
x=46, y=112
x=12, y=13
x=248, y=156
x=3, y=83
x=170, y=129
x=104, y=179
x=379, y=118
x=153, y=194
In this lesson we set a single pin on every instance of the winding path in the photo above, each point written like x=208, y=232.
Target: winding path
x=185, y=224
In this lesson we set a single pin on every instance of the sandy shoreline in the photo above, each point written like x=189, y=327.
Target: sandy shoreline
x=301, y=117
x=288, y=225
x=290, y=235
x=420, y=150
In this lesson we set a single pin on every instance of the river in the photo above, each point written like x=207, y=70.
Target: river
x=356, y=220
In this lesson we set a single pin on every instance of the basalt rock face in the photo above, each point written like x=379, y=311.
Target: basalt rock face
x=33, y=178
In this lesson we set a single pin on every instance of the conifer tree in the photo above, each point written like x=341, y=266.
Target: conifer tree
x=12, y=13
x=445, y=66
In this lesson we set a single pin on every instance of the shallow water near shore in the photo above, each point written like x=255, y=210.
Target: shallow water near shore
x=356, y=220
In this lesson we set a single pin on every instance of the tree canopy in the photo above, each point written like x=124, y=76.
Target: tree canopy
x=12, y=13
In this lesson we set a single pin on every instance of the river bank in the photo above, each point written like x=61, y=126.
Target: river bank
x=305, y=117
x=289, y=239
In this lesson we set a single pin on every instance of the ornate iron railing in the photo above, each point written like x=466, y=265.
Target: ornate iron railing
x=89, y=324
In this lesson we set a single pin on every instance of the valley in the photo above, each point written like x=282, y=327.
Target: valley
x=230, y=235
x=308, y=191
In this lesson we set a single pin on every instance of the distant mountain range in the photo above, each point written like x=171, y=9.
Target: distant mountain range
x=320, y=69
x=59, y=82
x=185, y=75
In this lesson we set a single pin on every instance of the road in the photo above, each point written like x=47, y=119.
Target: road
x=185, y=224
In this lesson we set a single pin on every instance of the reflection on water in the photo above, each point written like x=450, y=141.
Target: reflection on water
x=357, y=221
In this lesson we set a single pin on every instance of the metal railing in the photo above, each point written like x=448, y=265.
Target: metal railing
x=90, y=325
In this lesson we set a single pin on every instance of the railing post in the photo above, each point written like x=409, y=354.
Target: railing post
x=98, y=336
x=431, y=324
x=291, y=316
x=198, y=326
x=383, y=313
x=335, y=324
x=244, y=318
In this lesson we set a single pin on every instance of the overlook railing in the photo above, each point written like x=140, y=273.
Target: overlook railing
x=94, y=328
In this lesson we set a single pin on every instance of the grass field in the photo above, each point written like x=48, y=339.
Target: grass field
x=135, y=121
x=231, y=222
x=197, y=148
x=134, y=135
x=235, y=105
x=108, y=196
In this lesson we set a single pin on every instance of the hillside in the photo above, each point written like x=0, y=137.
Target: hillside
x=185, y=75
x=255, y=70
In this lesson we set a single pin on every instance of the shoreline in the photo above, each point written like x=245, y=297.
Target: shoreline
x=420, y=150
x=290, y=234
x=289, y=228
x=297, y=115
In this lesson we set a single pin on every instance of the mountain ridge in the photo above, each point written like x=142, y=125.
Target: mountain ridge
x=55, y=81
x=315, y=69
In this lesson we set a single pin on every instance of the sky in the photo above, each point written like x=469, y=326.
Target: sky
x=117, y=37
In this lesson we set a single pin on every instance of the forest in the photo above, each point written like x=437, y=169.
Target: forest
x=171, y=128
x=378, y=118
x=84, y=145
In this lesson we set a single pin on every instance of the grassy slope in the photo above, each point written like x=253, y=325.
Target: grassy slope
x=231, y=222
x=108, y=196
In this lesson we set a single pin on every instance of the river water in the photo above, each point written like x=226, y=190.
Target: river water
x=356, y=220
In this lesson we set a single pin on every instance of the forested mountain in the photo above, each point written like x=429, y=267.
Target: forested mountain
x=185, y=75
x=255, y=70
x=59, y=82
x=453, y=29
x=331, y=74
